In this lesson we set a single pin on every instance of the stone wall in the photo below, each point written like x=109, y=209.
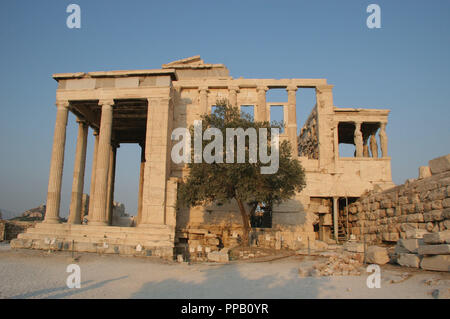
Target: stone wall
x=2, y=230
x=11, y=229
x=308, y=143
x=417, y=207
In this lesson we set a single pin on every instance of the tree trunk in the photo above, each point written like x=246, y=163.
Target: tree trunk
x=245, y=222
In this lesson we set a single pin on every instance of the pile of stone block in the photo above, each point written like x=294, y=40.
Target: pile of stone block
x=422, y=204
x=432, y=252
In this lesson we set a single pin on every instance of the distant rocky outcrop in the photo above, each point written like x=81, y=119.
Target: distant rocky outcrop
x=7, y=214
x=33, y=214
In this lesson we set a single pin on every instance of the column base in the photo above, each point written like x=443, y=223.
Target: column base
x=51, y=221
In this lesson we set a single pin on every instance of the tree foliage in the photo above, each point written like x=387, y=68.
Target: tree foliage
x=243, y=182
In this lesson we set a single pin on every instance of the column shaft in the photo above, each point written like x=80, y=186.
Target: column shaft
x=111, y=181
x=141, y=184
x=292, y=119
x=99, y=216
x=93, y=169
x=260, y=111
x=78, y=174
x=57, y=164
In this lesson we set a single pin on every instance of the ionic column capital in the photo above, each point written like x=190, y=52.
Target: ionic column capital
x=261, y=88
x=233, y=88
x=203, y=89
x=106, y=102
x=81, y=121
x=291, y=88
x=62, y=104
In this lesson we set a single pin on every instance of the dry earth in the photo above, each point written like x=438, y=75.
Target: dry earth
x=38, y=274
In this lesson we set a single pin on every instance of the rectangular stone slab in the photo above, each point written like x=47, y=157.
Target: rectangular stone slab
x=438, y=263
x=443, y=249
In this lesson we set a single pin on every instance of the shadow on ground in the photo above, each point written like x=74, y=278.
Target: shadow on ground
x=225, y=283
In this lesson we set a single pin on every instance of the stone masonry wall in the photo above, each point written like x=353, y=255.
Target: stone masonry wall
x=418, y=206
x=10, y=229
x=308, y=144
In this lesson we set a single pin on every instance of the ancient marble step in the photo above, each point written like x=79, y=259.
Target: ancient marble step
x=98, y=237
x=89, y=232
x=154, y=229
x=100, y=241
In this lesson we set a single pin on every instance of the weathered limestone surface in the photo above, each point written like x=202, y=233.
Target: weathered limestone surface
x=377, y=255
x=408, y=260
x=440, y=164
x=442, y=249
x=438, y=263
x=437, y=238
x=408, y=245
x=219, y=256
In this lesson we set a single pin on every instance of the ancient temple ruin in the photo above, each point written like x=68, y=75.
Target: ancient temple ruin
x=144, y=106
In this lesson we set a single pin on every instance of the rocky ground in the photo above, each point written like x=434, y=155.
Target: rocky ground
x=38, y=274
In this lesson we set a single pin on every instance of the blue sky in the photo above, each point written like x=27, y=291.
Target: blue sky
x=404, y=66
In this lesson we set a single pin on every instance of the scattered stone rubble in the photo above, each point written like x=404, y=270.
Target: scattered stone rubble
x=348, y=264
x=432, y=252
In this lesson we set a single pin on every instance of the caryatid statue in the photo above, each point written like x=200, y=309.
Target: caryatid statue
x=358, y=140
x=383, y=140
x=366, y=148
x=373, y=145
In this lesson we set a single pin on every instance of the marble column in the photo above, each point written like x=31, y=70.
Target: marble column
x=292, y=119
x=78, y=174
x=261, y=104
x=358, y=139
x=57, y=163
x=383, y=140
x=99, y=216
x=111, y=181
x=232, y=95
x=92, y=188
x=203, y=100
x=141, y=184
